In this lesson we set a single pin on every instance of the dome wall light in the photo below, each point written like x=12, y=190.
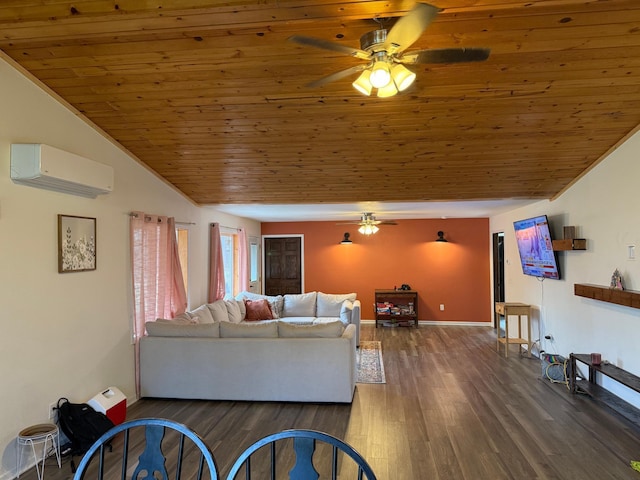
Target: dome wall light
x=363, y=83
x=380, y=74
x=402, y=76
x=346, y=240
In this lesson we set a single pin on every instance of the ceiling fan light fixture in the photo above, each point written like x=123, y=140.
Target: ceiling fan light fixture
x=387, y=91
x=363, y=83
x=368, y=229
x=402, y=76
x=380, y=75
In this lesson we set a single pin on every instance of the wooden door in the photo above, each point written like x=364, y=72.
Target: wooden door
x=282, y=265
x=498, y=270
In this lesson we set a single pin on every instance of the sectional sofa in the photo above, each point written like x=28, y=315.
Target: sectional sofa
x=304, y=351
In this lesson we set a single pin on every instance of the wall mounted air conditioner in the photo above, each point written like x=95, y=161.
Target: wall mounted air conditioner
x=43, y=166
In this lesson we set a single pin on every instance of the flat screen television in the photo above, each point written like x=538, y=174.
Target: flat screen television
x=536, y=250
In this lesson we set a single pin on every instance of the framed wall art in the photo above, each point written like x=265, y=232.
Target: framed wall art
x=76, y=244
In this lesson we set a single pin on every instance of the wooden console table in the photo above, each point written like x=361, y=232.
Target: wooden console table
x=515, y=309
x=600, y=394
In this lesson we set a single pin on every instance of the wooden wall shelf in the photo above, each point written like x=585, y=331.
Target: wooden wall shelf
x=628, y=298
x=569, y=244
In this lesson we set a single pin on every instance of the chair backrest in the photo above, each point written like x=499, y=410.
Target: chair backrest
x=307, y=464
x=165, y=449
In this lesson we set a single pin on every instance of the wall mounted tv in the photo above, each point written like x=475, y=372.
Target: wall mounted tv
x=536, y=250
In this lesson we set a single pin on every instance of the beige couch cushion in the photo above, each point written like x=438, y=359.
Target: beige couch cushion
x=218, y=311
x=248, y=330
x=167, y=329
x=300, y=305
x=324, y=330
x=236, y=310
x=329, y=305
x=203, y=313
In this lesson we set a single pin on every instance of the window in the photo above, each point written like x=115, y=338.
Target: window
x=230, y=260
x=254, y=259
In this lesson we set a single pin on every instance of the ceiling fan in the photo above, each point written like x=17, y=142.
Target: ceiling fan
x=368, y=223
x=384, y=51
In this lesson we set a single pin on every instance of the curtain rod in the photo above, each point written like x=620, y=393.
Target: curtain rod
x=133, y=214
x=224, y=226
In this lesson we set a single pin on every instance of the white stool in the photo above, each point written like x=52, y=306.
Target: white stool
x=36, y=435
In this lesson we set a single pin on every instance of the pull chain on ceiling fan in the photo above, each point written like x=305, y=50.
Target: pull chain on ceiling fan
x=384, y=51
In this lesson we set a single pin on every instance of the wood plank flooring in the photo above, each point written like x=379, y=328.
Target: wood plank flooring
x=452, y=408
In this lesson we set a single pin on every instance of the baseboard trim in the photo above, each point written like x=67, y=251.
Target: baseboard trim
x=441, y=323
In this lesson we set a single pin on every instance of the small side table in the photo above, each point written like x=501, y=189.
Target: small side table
x=46, y=434
x=519, y=309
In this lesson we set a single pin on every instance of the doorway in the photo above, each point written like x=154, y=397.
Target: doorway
x=498, y=269
x=283, y=264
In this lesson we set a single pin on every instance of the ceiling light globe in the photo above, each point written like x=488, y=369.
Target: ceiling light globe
x=402, y=76
x=363, y=84
x=388, y=91
x=380, y=75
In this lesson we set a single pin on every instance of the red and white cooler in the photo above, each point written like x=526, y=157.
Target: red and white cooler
x=112, y=403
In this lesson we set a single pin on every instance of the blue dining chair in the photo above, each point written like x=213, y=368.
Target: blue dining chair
x=166, y=449
x=305, y=464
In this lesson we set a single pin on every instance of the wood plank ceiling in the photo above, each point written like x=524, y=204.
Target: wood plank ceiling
x=211, y=95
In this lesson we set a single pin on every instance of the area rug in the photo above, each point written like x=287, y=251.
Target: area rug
x=369, y=363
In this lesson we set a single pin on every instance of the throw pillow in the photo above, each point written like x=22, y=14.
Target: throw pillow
x=249, y=330
x=236, y=315
x=162, y=329
x=258, y=310
x=345, y=311
x=219, y=311
x=329, y=305
x=203, y=313
x=301, y=305
x=275, y=302
x=323, y=330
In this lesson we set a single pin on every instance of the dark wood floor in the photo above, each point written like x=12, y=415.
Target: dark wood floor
x=452, y=408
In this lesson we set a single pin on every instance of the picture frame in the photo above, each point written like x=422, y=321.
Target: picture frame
x=76, y=244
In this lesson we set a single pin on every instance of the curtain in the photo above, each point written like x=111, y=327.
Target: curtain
x=243, y=261
x=158, y=285
x=216, y=267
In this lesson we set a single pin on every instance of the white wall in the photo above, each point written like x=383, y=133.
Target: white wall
x=604, y=207
x=69, y=334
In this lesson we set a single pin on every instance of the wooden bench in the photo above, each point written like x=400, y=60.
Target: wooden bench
x=601, y=394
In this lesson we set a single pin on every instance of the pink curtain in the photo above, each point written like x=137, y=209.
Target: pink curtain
x=243, y=261
x=216, y=267
x=158, y=285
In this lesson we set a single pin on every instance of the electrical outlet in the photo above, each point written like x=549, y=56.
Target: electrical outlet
x=52, y=410
x=442, y=307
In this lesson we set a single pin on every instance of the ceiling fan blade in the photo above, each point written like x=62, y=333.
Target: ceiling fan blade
x=327, y=45
x=388, y=222
x=409, y=28
x=336, y=76
x=446, y=55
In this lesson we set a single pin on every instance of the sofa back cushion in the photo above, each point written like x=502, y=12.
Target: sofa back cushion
x=203, y=313
x=235, y=310
x=329, y=305
x=322, y=330
x=258, y=310
x=168, y=329
x=218, y=311
x=300, y=305
x=249, y=330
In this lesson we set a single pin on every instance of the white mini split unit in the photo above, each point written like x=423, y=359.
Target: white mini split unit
x=43, y=166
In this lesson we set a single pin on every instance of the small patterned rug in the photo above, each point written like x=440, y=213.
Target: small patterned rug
x=369, y=363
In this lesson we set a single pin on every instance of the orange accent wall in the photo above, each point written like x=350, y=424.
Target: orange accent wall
x=456, y=273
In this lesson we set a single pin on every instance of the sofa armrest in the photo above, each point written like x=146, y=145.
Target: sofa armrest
x=355, y=320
